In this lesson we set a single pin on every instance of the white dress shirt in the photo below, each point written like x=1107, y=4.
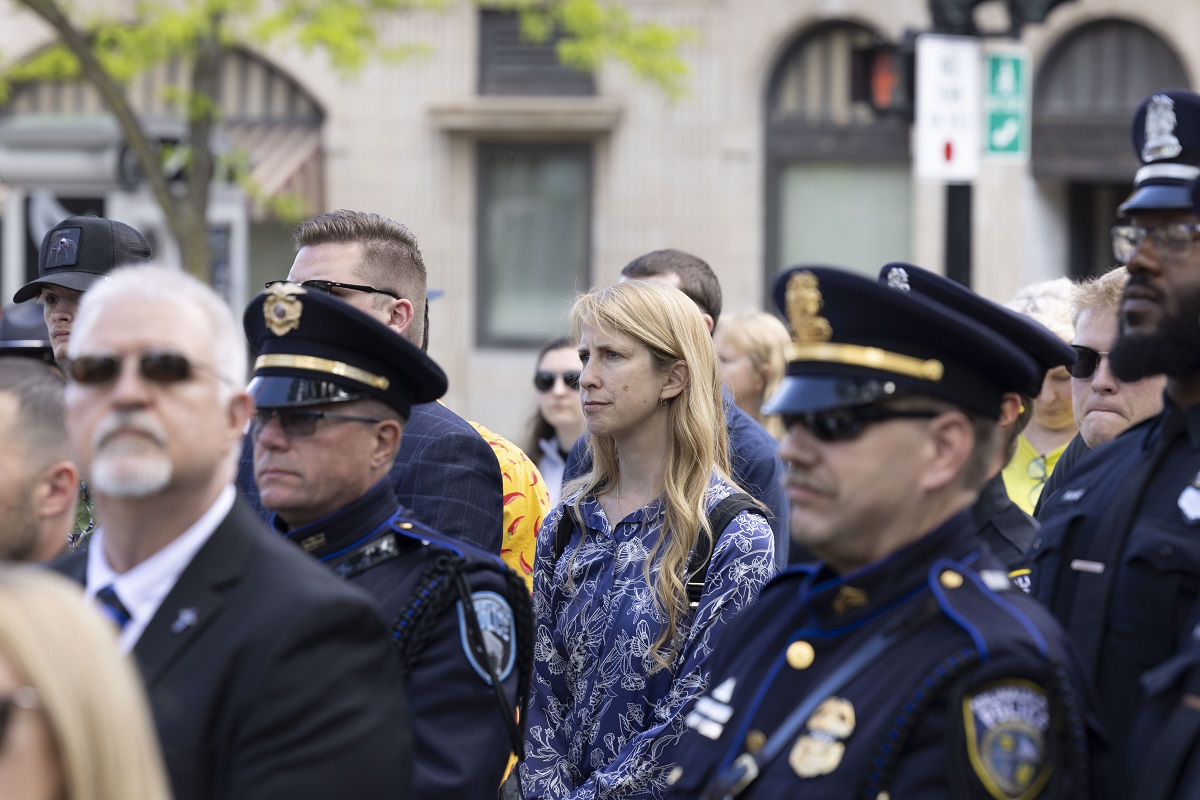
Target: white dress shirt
x=143, y=588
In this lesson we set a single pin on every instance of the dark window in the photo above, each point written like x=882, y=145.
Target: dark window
x=534, y=247
x=511, y=65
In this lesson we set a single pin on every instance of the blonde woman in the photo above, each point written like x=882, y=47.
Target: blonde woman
x=74, y=724
x=753, y=350
x=619, y=648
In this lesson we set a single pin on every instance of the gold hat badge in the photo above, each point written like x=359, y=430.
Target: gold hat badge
x=811, y=334
x=282, y=307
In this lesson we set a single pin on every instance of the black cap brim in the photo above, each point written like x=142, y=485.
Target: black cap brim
x=800, y=394
x=27, y=348
x=291, y=391
x=1159, y=196
x=79, y=281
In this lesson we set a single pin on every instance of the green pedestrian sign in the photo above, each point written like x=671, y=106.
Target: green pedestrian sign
x=1006, y=106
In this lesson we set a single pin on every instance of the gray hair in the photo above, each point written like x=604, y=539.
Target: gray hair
x=154, y=284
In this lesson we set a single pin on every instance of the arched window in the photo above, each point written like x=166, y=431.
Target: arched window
x=1086, y=91
x=838, y=175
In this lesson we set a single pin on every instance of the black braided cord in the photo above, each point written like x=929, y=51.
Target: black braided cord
x=883, y=767
x=413, y=625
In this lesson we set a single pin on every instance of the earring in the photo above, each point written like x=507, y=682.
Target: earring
x=662, y=401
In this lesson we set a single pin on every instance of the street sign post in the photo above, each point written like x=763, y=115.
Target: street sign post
x=946, y=133
x=1006, y=105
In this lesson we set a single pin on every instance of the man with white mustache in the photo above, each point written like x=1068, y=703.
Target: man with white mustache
x=267, y=676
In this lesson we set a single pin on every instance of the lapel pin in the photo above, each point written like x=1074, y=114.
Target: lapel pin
x=185, y=620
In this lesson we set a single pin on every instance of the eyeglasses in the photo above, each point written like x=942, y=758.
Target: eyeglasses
x=544, y=379
x=1087, y=361
x=1173, y=239
x=157, y=366
x=299, y=422
x=844, y=424
x=328, y=286
x=21, y=697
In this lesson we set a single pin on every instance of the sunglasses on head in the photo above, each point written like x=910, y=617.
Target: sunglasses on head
x=21, y=697
x=1087, y=361
x=844, y=424
x=328, y=286
x=544, y=379
x=299, y=422
x=157, y=366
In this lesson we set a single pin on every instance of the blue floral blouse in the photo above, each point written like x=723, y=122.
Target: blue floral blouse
x=597, y=719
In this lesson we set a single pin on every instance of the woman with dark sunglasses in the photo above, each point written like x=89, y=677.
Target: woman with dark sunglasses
x=558, y=421
x=74, y=724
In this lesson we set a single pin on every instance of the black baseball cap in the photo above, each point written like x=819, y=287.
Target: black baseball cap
x=79, y=251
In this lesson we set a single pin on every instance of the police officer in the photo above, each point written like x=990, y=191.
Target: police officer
x=1001, y=523
x=332, y=389
x=903, y=664
x=1118, y=556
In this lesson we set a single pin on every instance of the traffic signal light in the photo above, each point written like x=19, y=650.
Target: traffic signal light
x=882, y=76
x=1021, y=12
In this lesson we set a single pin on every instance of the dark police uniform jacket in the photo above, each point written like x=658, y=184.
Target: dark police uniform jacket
x=269, y=680
x=1156, y=577
x=1006, y=529
x=461, y=724
x=976, y=696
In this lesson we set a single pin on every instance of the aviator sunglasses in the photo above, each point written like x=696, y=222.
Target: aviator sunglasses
x=299, y=422
x=844, y=424
x=1087, y=361
x=157, y=366
x=544, y=379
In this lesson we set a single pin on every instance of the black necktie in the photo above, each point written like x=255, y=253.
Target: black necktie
x=1089, y=612
x=111, y=605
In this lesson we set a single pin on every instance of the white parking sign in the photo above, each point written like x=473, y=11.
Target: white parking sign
x=946, y=134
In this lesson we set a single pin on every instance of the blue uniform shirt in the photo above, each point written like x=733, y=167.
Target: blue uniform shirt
x=597, y=717
x=459, y=728
x=979, y=697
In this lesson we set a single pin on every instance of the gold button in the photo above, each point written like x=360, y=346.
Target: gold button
x=800, y=655
x=883, y=796
x=674, y=775
x=951, y=579
x=406, y=526
x=755, y=740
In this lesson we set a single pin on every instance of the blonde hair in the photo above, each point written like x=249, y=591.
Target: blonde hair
x=90, y=694
x=670, y=325
x=1100, y=295
x=764, y=340
x=1047, y=302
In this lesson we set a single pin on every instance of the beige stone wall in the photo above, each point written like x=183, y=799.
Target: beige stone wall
x=399, y=141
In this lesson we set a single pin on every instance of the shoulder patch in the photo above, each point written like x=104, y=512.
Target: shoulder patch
x=1022, y=579
x=497, y=626
x=1006, y=725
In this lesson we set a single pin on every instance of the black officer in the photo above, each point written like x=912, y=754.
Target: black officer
x=332, y=388
x=1118, y=556
x=1001, y=523
x=903, y=664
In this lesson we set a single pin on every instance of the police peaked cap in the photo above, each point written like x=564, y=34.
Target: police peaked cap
x=79, y=251
x=317, y=349
x=1043, y=346
x=1166, y=138
x=856, y=341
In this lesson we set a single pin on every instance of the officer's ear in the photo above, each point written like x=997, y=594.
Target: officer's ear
x=56, y=490
x=951, y=441
x=388, y=433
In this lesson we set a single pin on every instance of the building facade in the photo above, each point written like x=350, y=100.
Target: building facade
x=527, y=183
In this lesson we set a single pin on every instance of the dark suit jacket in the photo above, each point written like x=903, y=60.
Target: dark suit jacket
x=445, y=475
x=285, y=687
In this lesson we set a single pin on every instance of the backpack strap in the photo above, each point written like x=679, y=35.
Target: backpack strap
x=719, y=518
x=562, y=533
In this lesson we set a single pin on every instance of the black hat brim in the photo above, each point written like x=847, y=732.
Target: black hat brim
x=292, y=391
x=1158, y=196
x=79, y=281
x=801, y=394
x=27, y=348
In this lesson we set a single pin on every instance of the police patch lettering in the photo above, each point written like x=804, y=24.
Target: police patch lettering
x=1006, y=725
x=496, y=625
